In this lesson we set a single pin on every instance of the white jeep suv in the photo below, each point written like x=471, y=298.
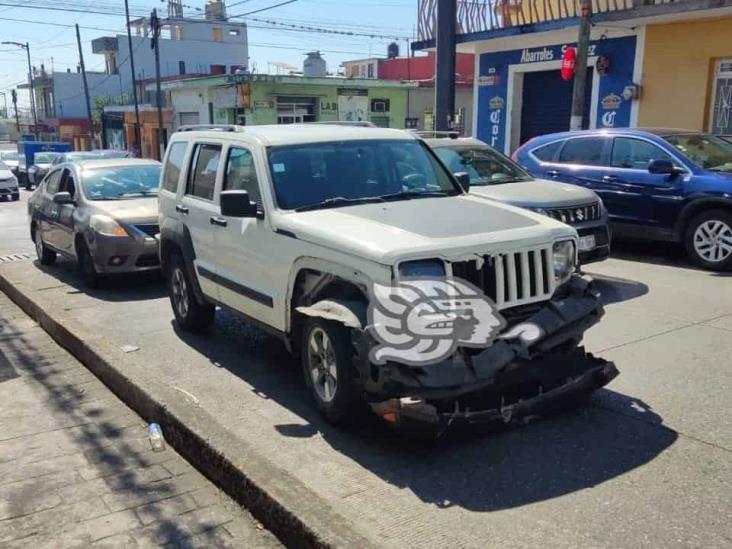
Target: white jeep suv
x=292, y=226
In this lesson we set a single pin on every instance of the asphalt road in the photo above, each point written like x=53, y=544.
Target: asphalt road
x=648, y=464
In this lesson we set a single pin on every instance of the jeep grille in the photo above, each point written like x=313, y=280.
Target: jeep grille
x=512, y=279
x=576, y=214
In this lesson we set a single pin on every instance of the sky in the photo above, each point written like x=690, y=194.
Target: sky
x=55, y=45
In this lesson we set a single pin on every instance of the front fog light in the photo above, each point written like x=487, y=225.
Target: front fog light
x=563, y=257
x=422, y=268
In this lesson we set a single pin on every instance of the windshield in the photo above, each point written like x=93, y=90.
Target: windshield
x=9, y=155
x=121, y=182
x=484, y=166
x=44, y=158
x=316, y=175
x=707, y=151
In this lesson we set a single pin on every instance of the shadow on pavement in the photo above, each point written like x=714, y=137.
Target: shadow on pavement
x=116, y=288
x=615, y=290
x=670, y=254
x=474, y=469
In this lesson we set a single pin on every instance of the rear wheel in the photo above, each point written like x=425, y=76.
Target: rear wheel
x=709, y=240
x=327, y=361
x=45, y=255
x=190, y=315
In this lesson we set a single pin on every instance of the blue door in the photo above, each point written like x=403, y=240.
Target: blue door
x=634, y=195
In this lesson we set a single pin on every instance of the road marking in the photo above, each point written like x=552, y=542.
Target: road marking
x=14, y=257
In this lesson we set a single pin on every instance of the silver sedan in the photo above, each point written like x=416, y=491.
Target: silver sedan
x=103, y=213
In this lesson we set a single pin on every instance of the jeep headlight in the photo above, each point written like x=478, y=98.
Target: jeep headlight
x=106, y=226
x=563, y=257
x=422, y=268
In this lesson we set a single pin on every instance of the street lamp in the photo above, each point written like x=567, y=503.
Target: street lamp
x=26, y=47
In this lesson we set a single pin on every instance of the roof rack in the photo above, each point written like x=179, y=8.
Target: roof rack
x=357, y=123
x=211, y=127
x=436, y=134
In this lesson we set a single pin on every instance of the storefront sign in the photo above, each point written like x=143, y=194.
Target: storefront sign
x=225, y=97
x=496, y=103
x=328, y=106
x=608, y=119
x=611, y=101
x=353, y=91
x=491, y=80
x=533, y=56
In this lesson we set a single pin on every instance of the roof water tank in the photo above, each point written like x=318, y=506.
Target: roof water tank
x=314, y=65
x=392, y=50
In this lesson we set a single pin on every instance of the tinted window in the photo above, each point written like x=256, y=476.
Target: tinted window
x=587, y=151
x=121, y=182
x=306, y=175
x=635, y=153
x=173, y=166
x=484, y=166
x=67, y=183
x=241, y=174
x=52, y=180
x=202, y=178
x=548, y=152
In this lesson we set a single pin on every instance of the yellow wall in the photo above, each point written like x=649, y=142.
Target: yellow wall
x=678, y=66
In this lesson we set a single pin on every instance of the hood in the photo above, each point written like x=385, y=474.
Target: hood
x=538, y=193
x=132, y=210
x=445, y=227
x=6, y=174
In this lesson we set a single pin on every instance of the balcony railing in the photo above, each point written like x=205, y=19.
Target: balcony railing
x=489, y=15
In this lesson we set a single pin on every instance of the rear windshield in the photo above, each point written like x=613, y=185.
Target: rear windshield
x=485, y=166
x=121, y=182
x=44, y=158
x=309, y=174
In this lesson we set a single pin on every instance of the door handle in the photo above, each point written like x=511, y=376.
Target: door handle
x=181, y=209
x=553, y=173
x=220, y=221
x=610, y=178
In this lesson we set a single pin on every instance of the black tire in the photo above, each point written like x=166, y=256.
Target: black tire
x=344, y=402
x=708, y=240
x=16, y=196
x=45, y=255
x=85, y=265
x=190, y=315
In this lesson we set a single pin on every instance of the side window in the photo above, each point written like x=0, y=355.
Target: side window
x=67, y=183
x=202, y=176
x=635, y=153
x=548, y=152
x=241, y=174
x=173, y=166
x=52, y=181
x=584, y=150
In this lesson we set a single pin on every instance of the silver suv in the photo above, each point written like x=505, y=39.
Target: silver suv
x=294, y=227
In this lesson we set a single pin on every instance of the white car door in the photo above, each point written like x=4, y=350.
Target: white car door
x=248, y=269
x=198, y=212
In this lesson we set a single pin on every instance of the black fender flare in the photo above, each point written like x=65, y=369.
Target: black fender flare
x=175, y=237
x=696, y=205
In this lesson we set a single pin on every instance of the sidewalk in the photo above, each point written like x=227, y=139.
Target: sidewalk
x=76, y=466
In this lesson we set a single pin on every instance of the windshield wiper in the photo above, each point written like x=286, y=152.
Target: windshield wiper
x=339, y=201
x=404, y=195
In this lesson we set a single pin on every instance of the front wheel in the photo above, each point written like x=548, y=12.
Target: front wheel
x=709, y=240
x=190, y=315
x=86, y=267
x=327, y=361
x=45, y=255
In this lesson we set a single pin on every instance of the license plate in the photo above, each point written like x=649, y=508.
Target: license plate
x=587, y=243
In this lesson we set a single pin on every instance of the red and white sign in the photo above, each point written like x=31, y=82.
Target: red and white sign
x=569, y=62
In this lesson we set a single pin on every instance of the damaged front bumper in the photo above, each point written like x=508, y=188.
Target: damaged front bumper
x=487, y=380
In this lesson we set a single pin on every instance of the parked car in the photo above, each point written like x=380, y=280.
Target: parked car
x=74, y=156
x=494, y=175
x=672, y=185
x=103, y=213
x=41, y=164
x=11, y=159
x=8, y=183
x=294, y=226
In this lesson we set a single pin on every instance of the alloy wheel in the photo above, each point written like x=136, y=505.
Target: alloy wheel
x=180, y=293
x=713, y=240
x=322, y=364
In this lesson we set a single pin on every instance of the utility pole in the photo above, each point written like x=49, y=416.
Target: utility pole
x=580, y=75
x=5, y=104
x=26, y=47
x=155, y=44
x=138, y=140
x=445, y=78
x=14, y=97
x=86, y=86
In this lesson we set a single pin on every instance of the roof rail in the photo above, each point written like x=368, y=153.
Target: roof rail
x=357, y=123
x=427, y=134
x=212, y=127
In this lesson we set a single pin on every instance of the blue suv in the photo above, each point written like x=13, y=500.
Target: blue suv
x=672, y=185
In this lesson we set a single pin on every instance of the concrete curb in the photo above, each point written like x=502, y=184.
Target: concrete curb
x=286, y=507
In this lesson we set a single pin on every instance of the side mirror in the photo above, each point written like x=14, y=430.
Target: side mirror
x=63, y=198
x=463, y=178
x=237, y=204
x=662, y=167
